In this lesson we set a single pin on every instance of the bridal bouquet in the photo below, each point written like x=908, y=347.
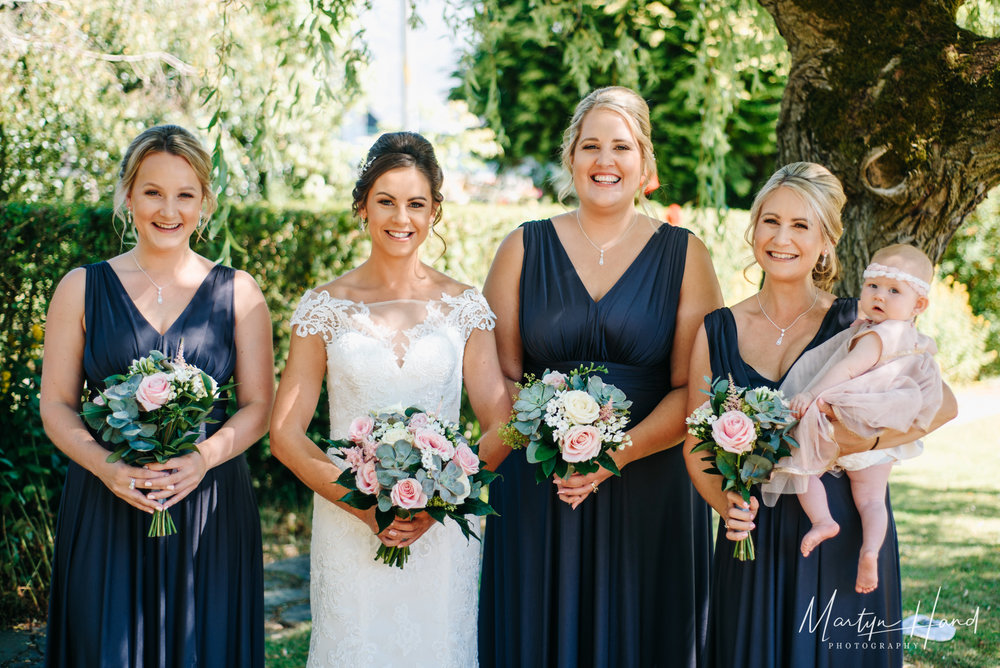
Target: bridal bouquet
x=568, y=422
x=154, y=412
x=407, y=461
x=743, y=433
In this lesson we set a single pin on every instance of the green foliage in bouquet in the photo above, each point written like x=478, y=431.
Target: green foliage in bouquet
x=450, y=492
x=528, y=427
x=773, y=424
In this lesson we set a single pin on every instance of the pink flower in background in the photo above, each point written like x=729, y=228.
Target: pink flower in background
x=154, y=391
x=581, y=443
x=408, y=493
x=366, y=479
x=734, y=432
x=674, y=216
x=425, y=439
x=360, y=430
x=555, y=379
x=466, y=459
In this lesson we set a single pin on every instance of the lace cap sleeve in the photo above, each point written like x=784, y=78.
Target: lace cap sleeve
x=469, y=311
x=318, y=313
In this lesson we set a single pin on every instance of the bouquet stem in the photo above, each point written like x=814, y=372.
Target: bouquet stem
x=162, y=525
x=392, y=556
x=744, y=549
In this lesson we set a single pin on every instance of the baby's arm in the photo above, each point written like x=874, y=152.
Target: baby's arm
x=863, y=356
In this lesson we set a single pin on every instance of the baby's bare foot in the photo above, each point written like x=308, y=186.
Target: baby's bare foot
x=867, y=572
x=819, y=532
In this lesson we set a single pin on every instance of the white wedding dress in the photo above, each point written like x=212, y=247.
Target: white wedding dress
x=366, y=613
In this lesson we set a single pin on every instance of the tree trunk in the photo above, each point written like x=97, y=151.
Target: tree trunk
x=903, y=106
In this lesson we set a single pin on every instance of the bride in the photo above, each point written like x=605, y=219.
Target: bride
x=393, y=331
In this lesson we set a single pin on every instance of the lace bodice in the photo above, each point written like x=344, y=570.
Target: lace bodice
x=364, y=613
x=406, y=352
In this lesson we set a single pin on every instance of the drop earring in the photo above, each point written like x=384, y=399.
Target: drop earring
x=361, y=225
x=822, y=260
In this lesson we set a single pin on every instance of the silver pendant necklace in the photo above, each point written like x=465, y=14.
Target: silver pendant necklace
x=785, y=329
x=159, y=288
x=606, y=246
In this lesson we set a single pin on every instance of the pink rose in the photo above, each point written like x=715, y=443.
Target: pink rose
x=98, y=400
x=581, y=443
x=555, y=379
x=417, y=422
x=425, y=439
x=366, y=479
x=360, y=429
x=734, y=432
x=408, y=494
x=466, y=459
x=154, y=391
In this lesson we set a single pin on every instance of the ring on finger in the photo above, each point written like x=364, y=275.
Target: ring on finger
x=131, y=483
x=593, y=486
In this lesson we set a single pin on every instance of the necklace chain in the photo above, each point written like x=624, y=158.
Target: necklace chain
x=785, y=329
x=601, y=250
x=159, y=288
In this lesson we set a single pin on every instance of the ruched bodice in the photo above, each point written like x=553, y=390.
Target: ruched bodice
x=158, y=601
x=588, y=587
x=781, y=598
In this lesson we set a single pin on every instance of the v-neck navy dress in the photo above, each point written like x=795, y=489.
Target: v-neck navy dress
x=622, y=580
x=784, y=610
x=195, y=598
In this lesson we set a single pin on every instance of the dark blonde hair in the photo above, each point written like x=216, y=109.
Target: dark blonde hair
x=632, y=108
x=174, y=140
x=824, y=196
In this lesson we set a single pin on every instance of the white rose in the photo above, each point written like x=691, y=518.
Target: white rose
x=396, y=434
x=580, y=407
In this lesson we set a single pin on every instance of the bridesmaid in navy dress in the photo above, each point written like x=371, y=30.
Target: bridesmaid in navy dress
x=195, y=598
x=783, y=609
x=597, y=570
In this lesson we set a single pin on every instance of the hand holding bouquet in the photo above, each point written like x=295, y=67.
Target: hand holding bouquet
x=744, y=432
x=405, y=462
x=153, y=413
x=568, y=422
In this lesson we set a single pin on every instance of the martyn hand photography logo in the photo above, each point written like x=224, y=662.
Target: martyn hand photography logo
x=869, y=628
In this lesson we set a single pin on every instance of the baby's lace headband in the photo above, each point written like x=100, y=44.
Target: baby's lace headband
x=875, y=270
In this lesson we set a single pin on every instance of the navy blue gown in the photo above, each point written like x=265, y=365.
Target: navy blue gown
x=195, y=598
x=785, y=610
x=622, y=580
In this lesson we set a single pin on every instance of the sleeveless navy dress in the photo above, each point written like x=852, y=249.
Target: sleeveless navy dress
x=622, y=581
x=785, y=610
x=195, y=598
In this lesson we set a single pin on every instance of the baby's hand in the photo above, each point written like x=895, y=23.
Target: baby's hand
x=799, y=403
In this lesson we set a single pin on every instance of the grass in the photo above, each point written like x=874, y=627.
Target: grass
x=947, y=508
x=288, y=649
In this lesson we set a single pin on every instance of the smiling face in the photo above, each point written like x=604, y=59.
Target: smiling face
x=399, y=210
x=165, y=201
x=787, y=242
x=607, y=160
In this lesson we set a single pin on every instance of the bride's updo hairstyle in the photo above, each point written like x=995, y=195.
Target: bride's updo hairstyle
x=824, y=195
x=632, y=108
x=392, y=151
x=174, y=140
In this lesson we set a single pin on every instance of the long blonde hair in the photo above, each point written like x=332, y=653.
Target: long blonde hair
x=824, y=195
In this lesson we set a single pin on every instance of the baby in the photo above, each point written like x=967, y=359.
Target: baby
x=879, y=374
